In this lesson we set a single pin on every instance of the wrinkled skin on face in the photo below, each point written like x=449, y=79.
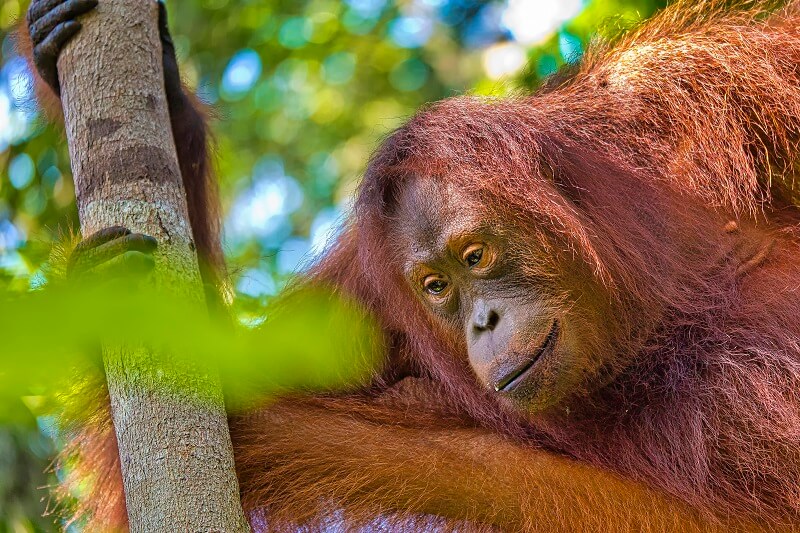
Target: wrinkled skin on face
x=536, y=340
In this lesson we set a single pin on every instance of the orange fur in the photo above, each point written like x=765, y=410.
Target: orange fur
x=635, y=163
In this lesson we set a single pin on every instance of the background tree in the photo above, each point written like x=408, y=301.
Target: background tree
x=303, y=91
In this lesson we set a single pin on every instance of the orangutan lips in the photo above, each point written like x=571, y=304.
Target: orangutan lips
x=511, y=378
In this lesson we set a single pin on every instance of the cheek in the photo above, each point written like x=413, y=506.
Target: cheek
x=588, y=331
x=564, y=374
x=582, y=353
x=586, y=351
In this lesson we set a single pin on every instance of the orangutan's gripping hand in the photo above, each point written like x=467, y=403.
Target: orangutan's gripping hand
x=112, y=252
x=52, y=23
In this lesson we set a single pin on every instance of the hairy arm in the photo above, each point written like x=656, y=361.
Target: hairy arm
x=309, y=463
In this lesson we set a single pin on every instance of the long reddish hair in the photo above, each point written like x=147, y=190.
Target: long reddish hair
x=666, y=164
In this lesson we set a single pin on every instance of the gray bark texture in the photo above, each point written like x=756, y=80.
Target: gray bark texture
x=170, y=420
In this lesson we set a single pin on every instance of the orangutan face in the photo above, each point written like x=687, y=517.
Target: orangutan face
x=532, y=339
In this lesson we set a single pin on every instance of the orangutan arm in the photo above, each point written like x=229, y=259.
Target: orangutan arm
x=304, y=461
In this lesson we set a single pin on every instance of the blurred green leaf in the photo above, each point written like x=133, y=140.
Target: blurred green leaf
x=309, y=339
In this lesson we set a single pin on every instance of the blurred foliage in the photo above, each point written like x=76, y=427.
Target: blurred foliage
x=310, y=339
x=303, y=91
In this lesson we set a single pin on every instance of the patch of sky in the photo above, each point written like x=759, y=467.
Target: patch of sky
x=16, y=105
x=362, y=15
x=504, y=59
x=262, y=210
x=19, y=80
x=294, y=256
x=485, y=28
x=367, y=8
x=6, y=119
x=256, y=283
x=411, y=32
x=569, y=46
x=241, y=74
x=326, y=226
x=534, y=21
x=13, y=263
x=455, y=12
x=297, y=254
x=10, y=237
x=21, y=171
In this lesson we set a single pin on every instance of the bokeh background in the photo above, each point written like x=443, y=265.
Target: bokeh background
x=303, y=92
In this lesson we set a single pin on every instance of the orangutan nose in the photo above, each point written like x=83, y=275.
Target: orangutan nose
x=484, y=317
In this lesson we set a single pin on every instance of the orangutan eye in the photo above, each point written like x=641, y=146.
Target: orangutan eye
x=434, y=285
x=473, y=255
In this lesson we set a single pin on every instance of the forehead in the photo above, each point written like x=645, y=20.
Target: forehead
x=429, y=213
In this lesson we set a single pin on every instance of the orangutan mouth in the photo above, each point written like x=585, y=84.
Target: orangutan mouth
x=513, y=378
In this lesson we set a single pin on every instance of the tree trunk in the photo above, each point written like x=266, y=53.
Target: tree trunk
x=175, y=448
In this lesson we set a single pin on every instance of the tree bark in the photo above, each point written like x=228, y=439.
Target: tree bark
x=169, y=417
